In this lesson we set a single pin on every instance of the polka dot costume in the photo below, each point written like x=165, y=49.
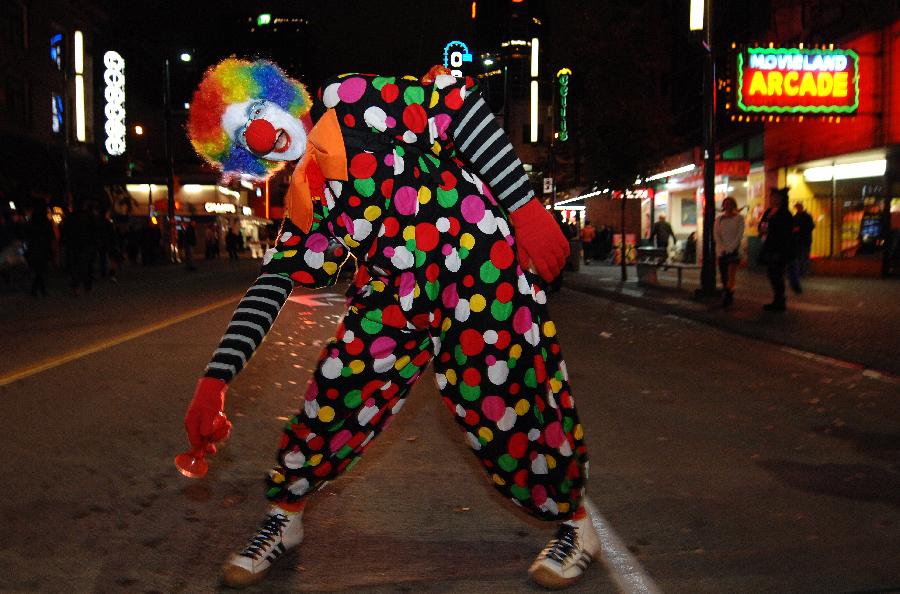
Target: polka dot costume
x=438, y=281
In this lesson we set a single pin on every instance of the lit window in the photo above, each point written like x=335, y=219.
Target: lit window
x=56, y=50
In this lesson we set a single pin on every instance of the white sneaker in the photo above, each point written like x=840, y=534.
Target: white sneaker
x=568, y=555
x=279, y=532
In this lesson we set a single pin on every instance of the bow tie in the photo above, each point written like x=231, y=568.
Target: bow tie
x=325, y=158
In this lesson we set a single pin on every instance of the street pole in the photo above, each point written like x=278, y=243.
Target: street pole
x=708, y=270
x=624, y=249
x=170, y=166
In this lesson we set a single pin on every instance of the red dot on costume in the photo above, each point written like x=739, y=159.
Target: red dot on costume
x=338, y=252
x=292, y=240
x=431, y=273
x=282, y=443
x=354, y=201
x=454, y=99
x=505, y=292
x=501, y=254
x=387, y=187
x=355, y=347
x=391, y=226
x=409, y=345
x=422, y=358
x=331, y=393
x=322, y=469
x=454, y=226
x=518, y=445
x=514, y=388
x=472, y=417
x=471, y=376
x=471, y=342
x=393, y=316
x=426, y=237
x=445, y=356
x=448, y=180
x=390, y=92
x=554, y=348
x=416, y=173
x=363, y=165
x=468, y=280
x=316, y=443
x=301, y=276
x=521, y=478
x=415, y=118
x=349, y=120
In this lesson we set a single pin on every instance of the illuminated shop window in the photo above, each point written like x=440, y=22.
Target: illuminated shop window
x=56, y=50
x=56, y=113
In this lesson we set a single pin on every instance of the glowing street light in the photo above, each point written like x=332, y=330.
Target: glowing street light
x=139, y=130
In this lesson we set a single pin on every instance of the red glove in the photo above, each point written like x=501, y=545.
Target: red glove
x=539, y=240
x=205, y=419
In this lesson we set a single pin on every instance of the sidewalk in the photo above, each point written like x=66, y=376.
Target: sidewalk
x=853, y=320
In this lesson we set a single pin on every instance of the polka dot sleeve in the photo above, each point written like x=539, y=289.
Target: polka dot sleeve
x=311, y=260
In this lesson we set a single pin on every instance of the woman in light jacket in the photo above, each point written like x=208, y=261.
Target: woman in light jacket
x=728, y=233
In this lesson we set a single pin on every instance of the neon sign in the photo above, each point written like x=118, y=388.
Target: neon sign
x=563, y=78
x=114, y=77
x=793, y=80
x=454, y=58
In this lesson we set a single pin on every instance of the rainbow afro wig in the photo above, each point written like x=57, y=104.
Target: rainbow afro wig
x=234, y=81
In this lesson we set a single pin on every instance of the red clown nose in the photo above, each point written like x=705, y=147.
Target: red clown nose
x=260, y=136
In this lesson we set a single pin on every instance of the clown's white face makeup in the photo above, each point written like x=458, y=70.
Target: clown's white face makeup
x=288, y=142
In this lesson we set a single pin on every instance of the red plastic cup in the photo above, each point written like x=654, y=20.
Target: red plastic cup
x=192, y=463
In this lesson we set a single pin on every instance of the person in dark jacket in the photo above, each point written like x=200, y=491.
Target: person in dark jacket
x=39, y=238
x=803, y=230
x=79, y=238
x=777, y=229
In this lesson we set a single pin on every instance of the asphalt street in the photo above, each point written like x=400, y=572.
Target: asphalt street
x=724, y=463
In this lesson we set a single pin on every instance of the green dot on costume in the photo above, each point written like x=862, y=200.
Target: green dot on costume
x=379, y=81
x=353, y=399
x=344, y=452
x=447, y=198
x=423, y=165
x=365, y=187
x=411, y=245
x=568, y=424
x=346, y=372
x=470, y=393
x=507, y=462
x=538, y=414
x=420, y=258
x=399, y=150
x=489, y=273
x=460, y=356
x=408, y=371
x=273, y=492
x=414, y=95
x=463, y=252
x=565, y=486
x=352, y=463
x=501, y=311
x=278, y=255
x=371, y=326
x=530, y=379
x=432, y=289
x=520, y=493
x=337, y=426
x=434, y=160
x=511, y=363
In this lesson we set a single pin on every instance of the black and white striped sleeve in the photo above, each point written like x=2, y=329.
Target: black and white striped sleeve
x=250, y=323
x=481, y=141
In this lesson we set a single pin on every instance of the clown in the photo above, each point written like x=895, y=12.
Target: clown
x=418, y=183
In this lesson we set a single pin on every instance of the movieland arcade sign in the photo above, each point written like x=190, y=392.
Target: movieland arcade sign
x=798, y=81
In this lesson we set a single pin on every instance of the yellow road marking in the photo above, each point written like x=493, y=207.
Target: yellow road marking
x=52, y=362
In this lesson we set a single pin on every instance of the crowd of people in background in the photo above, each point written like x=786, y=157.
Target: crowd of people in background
x=88, y=244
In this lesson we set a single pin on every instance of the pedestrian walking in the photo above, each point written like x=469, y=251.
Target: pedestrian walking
x=438, y=281
x=662, y=232
x=232, y=242
x=588, y=237
x=39, y=239
x=803, y=230
x=776, y=229
x=728, y=233
x=190, y=243
x=79, y=239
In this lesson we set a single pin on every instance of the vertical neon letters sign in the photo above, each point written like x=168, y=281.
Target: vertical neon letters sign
x=563, y=77
x=455, y=53
x=114, y=77
x=793, y=80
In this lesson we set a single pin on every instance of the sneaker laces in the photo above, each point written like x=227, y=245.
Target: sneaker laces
x=564, y=544
x=269, y=531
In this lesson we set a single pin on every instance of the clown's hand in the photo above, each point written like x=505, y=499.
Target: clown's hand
x=539, y=240
x=205, y=420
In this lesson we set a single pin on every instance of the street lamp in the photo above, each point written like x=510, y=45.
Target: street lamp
x=708, y=269
x=170, y=155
